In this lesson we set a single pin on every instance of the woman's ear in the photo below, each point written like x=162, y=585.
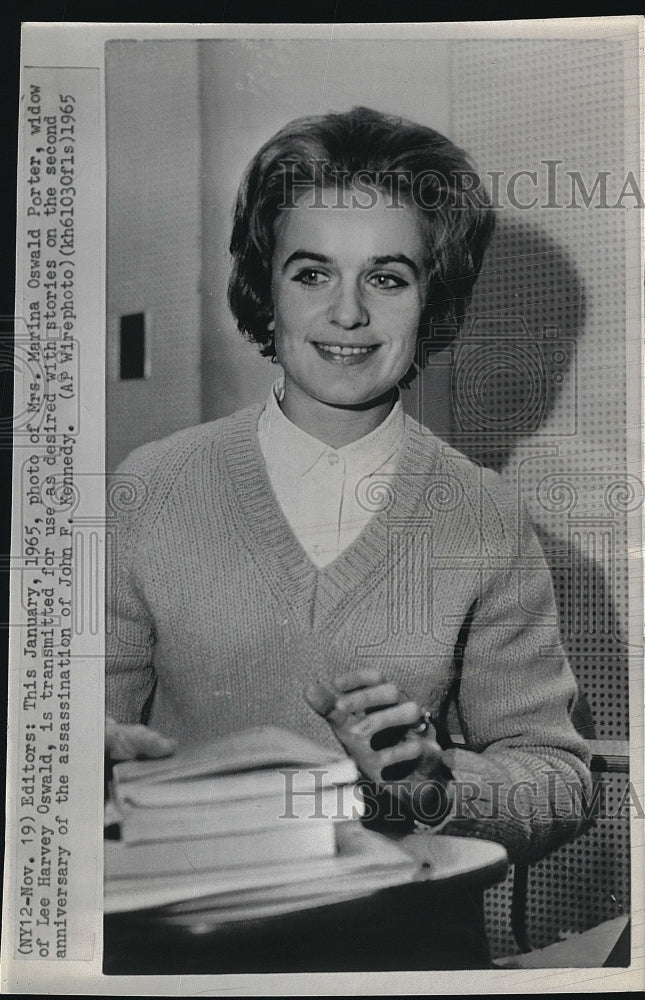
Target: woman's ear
x=271, y=325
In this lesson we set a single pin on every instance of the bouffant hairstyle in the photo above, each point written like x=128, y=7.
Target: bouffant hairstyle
x=409, y=163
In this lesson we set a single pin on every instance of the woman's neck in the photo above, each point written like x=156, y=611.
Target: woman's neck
x=336, y=426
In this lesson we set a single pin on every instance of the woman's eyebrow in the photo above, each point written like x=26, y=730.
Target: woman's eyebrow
x=399, y=258
x=305, y=255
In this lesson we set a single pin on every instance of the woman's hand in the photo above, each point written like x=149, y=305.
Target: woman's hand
x=135, y=742
x=374, y=720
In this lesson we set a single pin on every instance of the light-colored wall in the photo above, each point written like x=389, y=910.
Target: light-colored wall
x=249, y=90
x=153, y=242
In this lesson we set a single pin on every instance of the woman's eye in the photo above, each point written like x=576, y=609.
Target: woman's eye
x=310, y=276
x=387, y=281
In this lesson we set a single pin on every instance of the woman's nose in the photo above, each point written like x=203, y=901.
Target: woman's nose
x=347, y=308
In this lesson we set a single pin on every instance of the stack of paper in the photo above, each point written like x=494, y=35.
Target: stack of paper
x=259, y=822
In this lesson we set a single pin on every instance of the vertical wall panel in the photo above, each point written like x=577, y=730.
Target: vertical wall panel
x=153, y=247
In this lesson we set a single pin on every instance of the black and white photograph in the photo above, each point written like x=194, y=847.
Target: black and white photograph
x=328, y=581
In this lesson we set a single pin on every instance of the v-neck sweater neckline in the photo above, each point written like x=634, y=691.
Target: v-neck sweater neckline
x=271, y=539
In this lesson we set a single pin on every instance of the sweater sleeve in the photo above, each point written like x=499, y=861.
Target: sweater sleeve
x=524, y=772
x=129, y=674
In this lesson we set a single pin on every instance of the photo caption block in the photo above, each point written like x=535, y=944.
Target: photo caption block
x=53, y=841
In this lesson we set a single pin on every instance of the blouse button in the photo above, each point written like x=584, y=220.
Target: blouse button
x=332, y=458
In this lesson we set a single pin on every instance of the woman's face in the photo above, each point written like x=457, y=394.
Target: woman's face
x=348, y=288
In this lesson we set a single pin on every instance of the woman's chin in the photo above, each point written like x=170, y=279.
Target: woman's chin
x=356, y=400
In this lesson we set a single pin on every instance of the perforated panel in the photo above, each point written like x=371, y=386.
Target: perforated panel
x=578, y=886
x=539, y=388
x=556, y=902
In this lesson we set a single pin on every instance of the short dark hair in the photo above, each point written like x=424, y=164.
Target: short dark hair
x=329, y=149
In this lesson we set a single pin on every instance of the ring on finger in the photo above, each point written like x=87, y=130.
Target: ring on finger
x=422, y=725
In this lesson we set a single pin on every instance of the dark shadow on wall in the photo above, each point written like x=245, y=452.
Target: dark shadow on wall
x=513, y=364
x=517, y=351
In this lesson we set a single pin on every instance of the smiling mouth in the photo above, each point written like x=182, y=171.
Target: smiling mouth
x=344, y=355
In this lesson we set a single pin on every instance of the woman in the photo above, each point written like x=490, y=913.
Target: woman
x=320, y=561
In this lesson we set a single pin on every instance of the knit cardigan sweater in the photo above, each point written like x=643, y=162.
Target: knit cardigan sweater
x=214, y=606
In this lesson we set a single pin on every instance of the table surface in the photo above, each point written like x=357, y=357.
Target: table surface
x=446, y=859
x=417, y=924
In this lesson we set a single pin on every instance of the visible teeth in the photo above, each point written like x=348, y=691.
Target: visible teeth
x=337, y=349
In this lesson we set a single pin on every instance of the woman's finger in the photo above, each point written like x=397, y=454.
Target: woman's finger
x=359, y=679
x=409, y=749
x=130, y=742
x=399, y=715
x=321, y=697
x=369, y=697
